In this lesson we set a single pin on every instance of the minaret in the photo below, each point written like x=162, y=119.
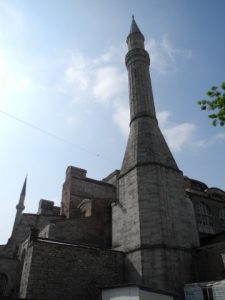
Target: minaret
x=20, y=206
x=145, y=139
x=153, y=220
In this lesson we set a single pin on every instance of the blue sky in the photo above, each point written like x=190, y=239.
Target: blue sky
x=62, y=70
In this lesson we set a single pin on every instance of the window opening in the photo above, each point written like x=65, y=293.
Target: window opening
x=3, y=284
x=204, y=218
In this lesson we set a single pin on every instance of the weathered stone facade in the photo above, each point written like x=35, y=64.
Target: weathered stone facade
x=146, y=224
x=67, y=271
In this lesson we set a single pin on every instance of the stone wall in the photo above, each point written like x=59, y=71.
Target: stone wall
x=94, y=230
x=65, y=271
x=214, y=199
x=209, y=262
x=28, y=221
x=125, y=214
x=178, y=264
x=10, y=264
x=8, y=267
x=154, y=222
x=78, y=187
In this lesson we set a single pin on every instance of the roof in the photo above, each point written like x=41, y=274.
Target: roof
x=134, y=28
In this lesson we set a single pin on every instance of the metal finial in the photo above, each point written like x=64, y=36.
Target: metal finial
x=133, y=17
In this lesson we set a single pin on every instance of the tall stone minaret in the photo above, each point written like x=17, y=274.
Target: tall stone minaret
x=20, y=206
x=153, y=220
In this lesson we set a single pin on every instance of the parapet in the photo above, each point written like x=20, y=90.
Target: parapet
x=75, y=172
x=112, y=177
x=194, y=184
x=77, y=188
x=46, y=207
x=197, y=187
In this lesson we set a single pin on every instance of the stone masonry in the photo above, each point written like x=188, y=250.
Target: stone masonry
x=66, y=271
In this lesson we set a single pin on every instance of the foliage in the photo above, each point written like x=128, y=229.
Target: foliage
x=216, y=103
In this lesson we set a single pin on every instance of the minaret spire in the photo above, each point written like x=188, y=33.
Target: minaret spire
x=134, y=28
x=20, y=206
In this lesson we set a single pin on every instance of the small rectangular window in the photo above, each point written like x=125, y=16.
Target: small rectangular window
x=210, y=293
x=207, y=293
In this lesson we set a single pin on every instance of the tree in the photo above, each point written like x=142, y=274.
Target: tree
x=216, y=103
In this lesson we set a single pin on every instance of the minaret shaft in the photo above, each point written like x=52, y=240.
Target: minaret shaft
x=140, y=90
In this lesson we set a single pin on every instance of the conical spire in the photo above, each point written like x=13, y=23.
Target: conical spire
x=134, y=28
x=135, y=38
x=20, y=206
x=23, y=192
x=22, y=195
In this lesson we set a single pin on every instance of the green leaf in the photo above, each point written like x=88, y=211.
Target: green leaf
x=215, y=103
x=214, y=122
x=214, y=88
x=213, y=116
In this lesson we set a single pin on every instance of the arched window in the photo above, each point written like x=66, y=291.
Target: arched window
x=3, y=284
x=204, y=218
x=86, y=207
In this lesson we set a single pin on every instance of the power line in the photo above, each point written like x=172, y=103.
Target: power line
x=51, y=134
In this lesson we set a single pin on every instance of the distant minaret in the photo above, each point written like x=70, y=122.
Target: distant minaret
x=20, y=206
x=154, y=221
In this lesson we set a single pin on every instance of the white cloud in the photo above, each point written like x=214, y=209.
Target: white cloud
x=16, y=17
x=164, y=55
x=11, y=19
x=24, y=83
x=159, y=60
x=12, y=76
x=77, y=73
x=177, y=136
x=201, y=143
x=72, y=120
x=180, y=136
x=121, y=117
x=220, y=136
x=93, y=79
x=110, y=83
x=205, y=143
x=163, y=117
x=173, y=51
